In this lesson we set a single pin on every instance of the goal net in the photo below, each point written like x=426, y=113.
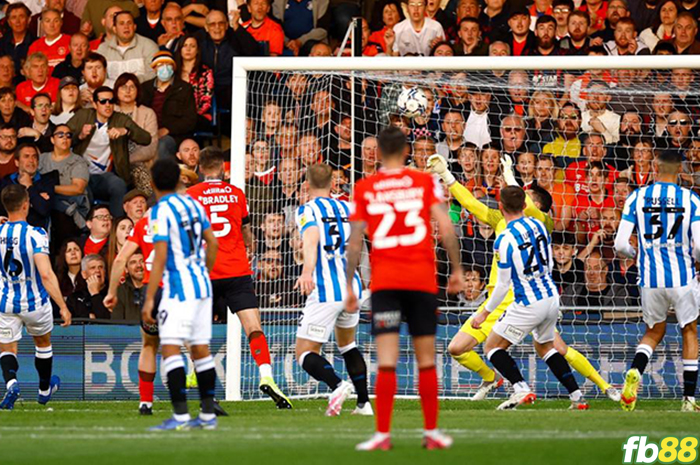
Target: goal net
x=582, y=133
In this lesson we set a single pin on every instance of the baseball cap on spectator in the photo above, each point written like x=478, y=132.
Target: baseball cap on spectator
x=132, y=194
x=162, y=57
x=518, y=11
x=68, y=81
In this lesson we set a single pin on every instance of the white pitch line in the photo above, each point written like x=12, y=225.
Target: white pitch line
x=488, y=435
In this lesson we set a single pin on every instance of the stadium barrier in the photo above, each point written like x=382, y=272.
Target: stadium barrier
x=100, y=362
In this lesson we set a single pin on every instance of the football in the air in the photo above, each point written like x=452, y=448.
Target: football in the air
x=412, y=102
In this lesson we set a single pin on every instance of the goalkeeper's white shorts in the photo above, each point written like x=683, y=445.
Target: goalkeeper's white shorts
x=656, y=302
x=539, y=318
x=318, y=319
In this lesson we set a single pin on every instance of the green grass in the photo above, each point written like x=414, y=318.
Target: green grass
x=256, y=433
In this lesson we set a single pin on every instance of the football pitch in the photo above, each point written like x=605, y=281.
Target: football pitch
x=256, y=433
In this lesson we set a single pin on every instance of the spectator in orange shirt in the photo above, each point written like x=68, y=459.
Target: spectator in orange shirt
x=54, y=44
x=598, y=11
x=594, y=150
x=39, y=80
x=264, y=29
x=563, y=195
x=386, y=15
x=641, y=173
x=589, y=205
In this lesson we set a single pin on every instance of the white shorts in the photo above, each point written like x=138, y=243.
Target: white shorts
x=656, y=302
x=518, y=321
x=185, y=321
x=319, y=318
x=38, y=323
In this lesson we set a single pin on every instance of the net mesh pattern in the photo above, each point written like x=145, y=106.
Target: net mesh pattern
x=582, y=140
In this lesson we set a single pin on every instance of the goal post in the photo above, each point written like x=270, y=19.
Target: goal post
x=607, y=335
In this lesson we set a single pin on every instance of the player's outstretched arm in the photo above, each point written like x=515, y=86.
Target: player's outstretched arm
x=500, y=290
x=438, y=165
x=531, y=209
x=118, y=267
x=212, y=247
x=451, y=245
x=50, y=282
x=310, y=238
x=354, y=252
x=622, y=239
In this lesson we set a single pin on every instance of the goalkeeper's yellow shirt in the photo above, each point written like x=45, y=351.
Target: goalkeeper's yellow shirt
x=494, y=218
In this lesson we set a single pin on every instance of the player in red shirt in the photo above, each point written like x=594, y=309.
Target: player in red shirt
x=395, y=207
x=231, y=276
x=141, y=239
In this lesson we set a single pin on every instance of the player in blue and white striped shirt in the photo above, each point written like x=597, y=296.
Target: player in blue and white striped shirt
x=27, y=282
x=180, y=228
x=524, y=255
x=325, y=230
x=666, y=218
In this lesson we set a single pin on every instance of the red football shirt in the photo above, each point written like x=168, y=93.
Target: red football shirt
x=56, y=52
x=93, y=247
x=228, y=211
x=26, y=91
x=395, y=205
x=575, y=176
x=269, y=31
x=142, y=235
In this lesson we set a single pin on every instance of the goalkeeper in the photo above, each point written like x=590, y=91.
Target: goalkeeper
x=462, y=346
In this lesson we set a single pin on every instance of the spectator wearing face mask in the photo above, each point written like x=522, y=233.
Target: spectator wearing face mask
x=172, y=99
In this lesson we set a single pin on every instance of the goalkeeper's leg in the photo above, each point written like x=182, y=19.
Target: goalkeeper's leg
x=581, y=364
x=462, y=347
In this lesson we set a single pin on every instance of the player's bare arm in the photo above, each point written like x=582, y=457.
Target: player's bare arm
x=503, y=282
x=212, y=247
x=310, y=238
x=48, y=278
x=248, y=239
x=622, y=240
x=451, y=244
x=118, y=267
x=160, y=255
x=354, y=251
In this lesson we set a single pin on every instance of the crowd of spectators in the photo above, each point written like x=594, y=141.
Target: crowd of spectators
x=92, y=92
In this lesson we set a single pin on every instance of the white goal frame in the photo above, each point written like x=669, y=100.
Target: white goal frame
x=243, y=65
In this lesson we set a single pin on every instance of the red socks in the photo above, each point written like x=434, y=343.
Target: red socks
x=259, y=349
x=428, y=390
x=146, y=386
x=385, y=391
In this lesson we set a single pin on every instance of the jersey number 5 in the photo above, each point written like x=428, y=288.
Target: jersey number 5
x=412, y=208
x=216, y=219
